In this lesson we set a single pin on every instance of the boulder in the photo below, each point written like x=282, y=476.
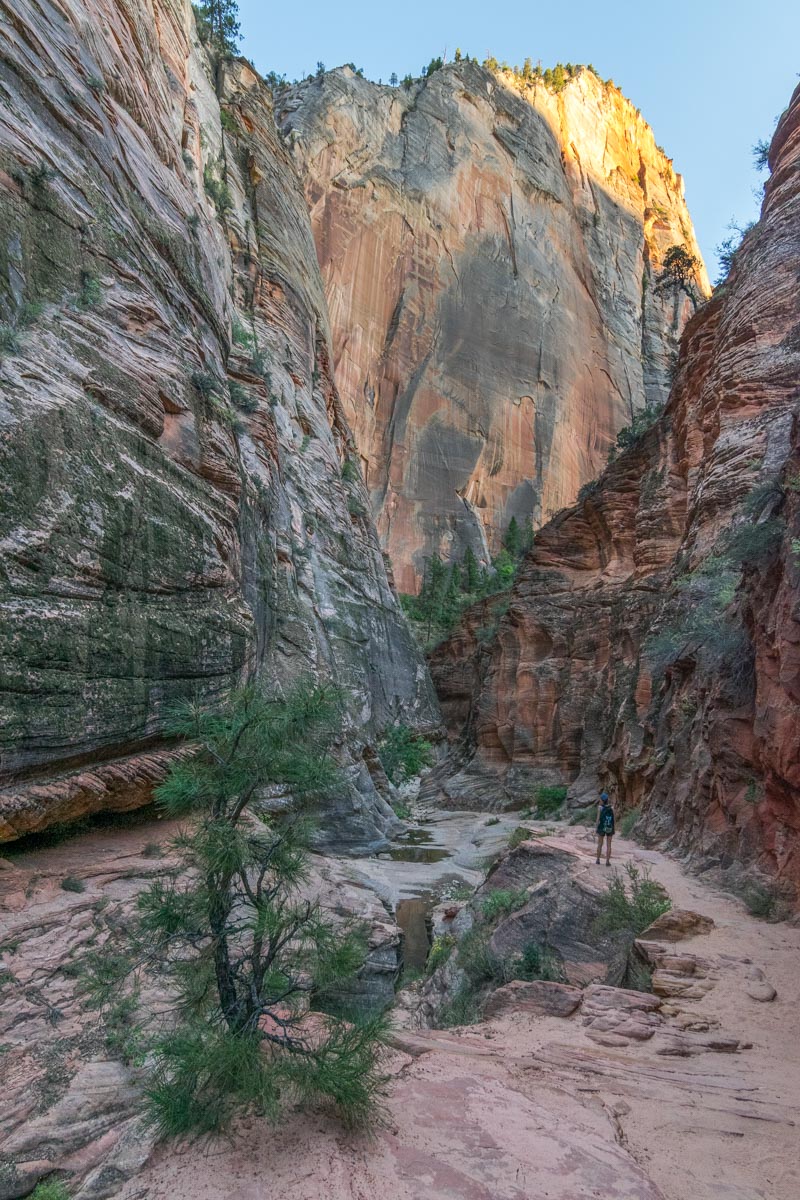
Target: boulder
x=539, y=997
x=677, y=924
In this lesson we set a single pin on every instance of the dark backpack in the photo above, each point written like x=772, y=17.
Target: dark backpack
x=606, y=822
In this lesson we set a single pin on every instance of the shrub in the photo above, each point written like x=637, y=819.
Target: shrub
x=549, y=800
x=227, y=122
x=537, y=962
x=91, y=293
x=627, y=821
x=630, y=908
x=475, y=958
x=72, y=884
x=350, y=472
x=404, y=753
x=240, y=335
x=401, y=810
x=440, y=951
x=492, y=821
x=518, y=835
x=51, y=1189
x=153, y=850
x=753, y=545
x=463, y=1008
x=501, y=902
x=9, y=340
x=761, y=901
x=236, y=946
x=217, y=190
x=243, y=398
x=355, y=508
x=204, y=383
x=96, y=83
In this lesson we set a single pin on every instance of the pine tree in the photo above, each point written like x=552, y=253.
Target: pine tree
x=218, y=25
x=512, y=538
x=238, y=948
x=471, y=572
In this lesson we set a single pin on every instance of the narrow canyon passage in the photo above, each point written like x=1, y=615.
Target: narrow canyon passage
x=521, y=1105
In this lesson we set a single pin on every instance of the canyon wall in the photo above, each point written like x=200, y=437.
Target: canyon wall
x=175, y=516
x=490, y=251
x=651, y=640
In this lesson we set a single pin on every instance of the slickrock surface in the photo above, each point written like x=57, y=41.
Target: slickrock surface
x=173, y=508
x=490, y=252
x=566, y=691
x=635, y=1096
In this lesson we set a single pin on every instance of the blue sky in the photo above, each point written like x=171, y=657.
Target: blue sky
x=709, y=76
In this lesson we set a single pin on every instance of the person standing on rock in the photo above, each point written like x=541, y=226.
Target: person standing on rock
x=605, y=827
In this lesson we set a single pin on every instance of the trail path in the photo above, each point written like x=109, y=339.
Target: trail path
x=517, y=1108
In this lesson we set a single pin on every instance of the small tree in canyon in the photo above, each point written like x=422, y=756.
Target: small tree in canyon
x=218, y=25
x=239, y=948
x=679, y=271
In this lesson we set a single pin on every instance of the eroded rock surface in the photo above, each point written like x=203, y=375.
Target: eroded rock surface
x=490, y=251
x=174, y=515
x=570, y=689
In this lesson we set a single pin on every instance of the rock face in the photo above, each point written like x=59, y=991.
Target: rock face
x=174, y=515
x=651, y=640
x=490, y=251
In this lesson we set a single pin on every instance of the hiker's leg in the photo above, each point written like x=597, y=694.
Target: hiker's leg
x=608, y=848
x=599, y=846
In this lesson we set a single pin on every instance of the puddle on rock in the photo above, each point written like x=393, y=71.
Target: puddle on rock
x=412, y=916
x=413, y=846
x=417, y=854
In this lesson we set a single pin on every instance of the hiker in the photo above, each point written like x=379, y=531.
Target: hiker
x=605, y=827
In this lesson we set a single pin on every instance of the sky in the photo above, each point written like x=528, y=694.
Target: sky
x=711, y=76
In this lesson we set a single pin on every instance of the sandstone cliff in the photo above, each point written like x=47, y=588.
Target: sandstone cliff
x=490, y=250
x=651, y=640
x=174, y=512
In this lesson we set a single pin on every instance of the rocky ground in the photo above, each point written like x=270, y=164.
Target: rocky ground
x=684, y=1092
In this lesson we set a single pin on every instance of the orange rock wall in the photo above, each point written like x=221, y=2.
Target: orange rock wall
x=490, y=253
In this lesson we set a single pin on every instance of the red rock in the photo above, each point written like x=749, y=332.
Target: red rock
x=538, y=997
x=565, y=691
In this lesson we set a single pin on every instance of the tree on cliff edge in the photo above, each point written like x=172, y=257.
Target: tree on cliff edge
x=240, y=950
x=218, y=25
x=679, y=271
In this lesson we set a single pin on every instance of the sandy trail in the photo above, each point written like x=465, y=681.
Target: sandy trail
x=513, y=1109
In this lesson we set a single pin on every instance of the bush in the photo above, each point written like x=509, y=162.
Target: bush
x=217, y=190
x=761, y=901
x=461, y=1010
x=754, y=545
x=549, y=800
x=404, y=753
x=501, y=902
x=630, y=908
x=537, y=962
x=350, y=472
x=9, y=340
x=91, y=293
x=440, y=951
x=518, y=835
x=51, y=1189
x=72, y=884
x=627, y=822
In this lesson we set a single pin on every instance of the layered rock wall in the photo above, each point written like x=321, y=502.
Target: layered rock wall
x=575, y=687
x=490, y=251
x=174, y=514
